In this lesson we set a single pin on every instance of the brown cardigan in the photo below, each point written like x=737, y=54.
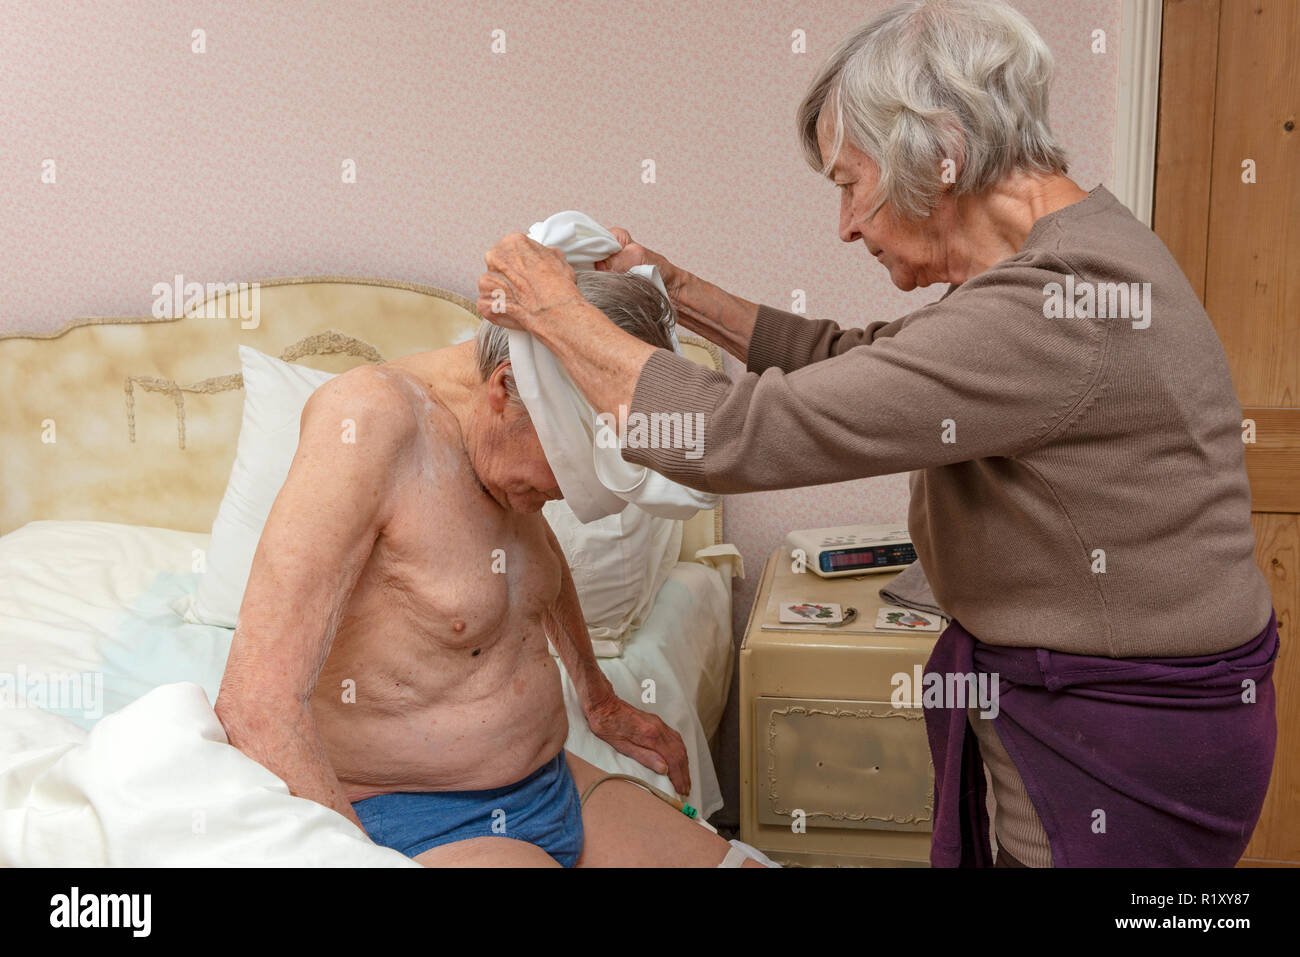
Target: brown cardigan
x=1035, y=442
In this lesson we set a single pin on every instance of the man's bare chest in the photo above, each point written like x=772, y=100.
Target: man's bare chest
x=457, y=568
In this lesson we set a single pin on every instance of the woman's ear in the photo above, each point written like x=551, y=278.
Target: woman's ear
x=954, y=159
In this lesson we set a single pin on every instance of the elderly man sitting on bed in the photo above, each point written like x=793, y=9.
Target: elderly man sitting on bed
x=391, y=657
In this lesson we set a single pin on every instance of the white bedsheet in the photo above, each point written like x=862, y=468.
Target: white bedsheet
x=137, y=770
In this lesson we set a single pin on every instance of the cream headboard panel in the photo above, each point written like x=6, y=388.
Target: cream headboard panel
x=135, y=420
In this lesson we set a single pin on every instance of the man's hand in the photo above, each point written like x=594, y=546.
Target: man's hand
x=523, y=281
x=642, y=736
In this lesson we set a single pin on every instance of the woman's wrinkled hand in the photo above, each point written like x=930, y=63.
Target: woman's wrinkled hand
x=524, y=280
x=634, y=254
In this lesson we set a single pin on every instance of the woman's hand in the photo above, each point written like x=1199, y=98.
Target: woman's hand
x=634, y=254
x=701, y=306
x=524, y=280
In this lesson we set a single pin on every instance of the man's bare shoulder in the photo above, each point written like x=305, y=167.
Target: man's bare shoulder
x=387, y=405
x=370, y=406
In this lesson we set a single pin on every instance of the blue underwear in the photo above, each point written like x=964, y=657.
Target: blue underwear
x=542, y=809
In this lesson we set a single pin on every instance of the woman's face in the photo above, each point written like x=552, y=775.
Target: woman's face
x=910, y=251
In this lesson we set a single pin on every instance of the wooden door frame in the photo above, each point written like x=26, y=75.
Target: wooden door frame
x=1202, y=101
x=1138, y=106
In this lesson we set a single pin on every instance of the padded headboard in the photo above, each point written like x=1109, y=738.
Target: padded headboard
x=136, y=419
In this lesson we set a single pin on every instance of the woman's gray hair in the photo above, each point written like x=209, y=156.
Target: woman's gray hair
x=632, y=303
x=931, y=80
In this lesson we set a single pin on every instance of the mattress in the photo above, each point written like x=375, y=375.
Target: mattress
x=120, y=759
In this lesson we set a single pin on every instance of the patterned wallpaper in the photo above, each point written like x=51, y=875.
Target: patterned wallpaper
x=227, y=164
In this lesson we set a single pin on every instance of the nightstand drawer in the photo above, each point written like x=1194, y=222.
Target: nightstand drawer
x=845, y=764
x=818, y=732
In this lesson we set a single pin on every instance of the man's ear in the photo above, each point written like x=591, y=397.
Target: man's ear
x=498, y=393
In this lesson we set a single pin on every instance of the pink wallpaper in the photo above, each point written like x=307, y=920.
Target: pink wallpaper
x=226, y=165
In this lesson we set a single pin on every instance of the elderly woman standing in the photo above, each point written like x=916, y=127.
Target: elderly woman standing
x=1079, y=501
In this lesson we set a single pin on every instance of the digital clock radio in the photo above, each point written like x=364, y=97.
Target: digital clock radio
x=853, y=549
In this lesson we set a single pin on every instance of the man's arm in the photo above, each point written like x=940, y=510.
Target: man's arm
x=567, y=629
x=320, y=533
x=636, y=733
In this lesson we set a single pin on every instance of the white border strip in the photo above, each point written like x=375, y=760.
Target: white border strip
x=1138, y=103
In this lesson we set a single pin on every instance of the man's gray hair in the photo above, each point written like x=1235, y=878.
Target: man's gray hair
x=632, y=303
x=931, y=80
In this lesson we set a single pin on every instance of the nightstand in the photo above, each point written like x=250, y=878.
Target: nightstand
x=818, y=733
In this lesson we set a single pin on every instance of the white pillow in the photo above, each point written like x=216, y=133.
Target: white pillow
x=274, y=395
x=618, y=562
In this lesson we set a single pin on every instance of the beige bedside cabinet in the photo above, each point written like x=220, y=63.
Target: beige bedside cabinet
x=818, y=734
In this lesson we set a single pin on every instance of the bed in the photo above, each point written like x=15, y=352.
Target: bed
x=119, y=438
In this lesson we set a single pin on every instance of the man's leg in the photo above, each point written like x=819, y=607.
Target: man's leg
x=626, y=826
x=486, y=852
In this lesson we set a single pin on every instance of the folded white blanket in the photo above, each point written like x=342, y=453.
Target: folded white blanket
x=583, y=452
x=157, y=784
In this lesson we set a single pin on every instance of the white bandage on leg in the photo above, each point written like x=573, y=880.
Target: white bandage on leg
x=739, y=850
x=735, y=857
